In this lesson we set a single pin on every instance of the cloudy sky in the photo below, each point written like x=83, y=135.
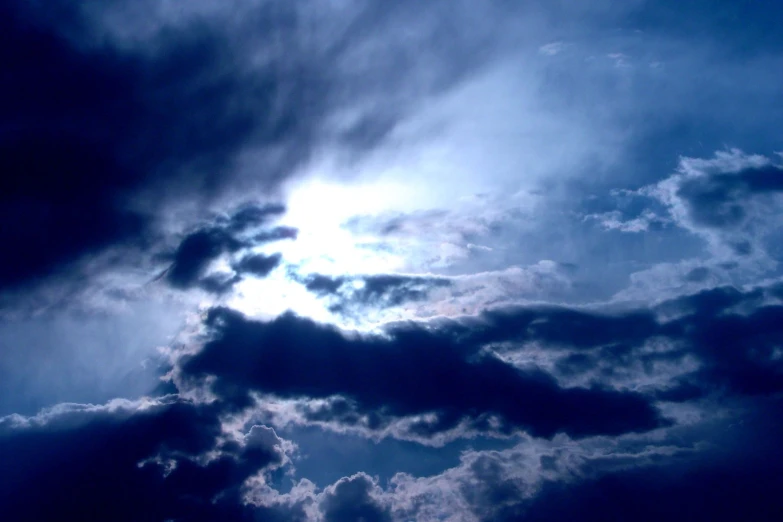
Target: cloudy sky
x=451, y=260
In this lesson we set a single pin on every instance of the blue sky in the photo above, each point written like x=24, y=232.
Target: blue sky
x=356, y=260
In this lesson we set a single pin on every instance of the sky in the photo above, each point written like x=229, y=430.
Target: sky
x=459, y=261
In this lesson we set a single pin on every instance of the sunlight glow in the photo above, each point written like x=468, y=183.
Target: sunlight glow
x=319, y=209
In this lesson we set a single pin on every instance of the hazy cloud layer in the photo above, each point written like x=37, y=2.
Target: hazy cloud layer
x=360, y=260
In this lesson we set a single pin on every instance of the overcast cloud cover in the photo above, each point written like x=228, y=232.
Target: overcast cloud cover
x=391, y=261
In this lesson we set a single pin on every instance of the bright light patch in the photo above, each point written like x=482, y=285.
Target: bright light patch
x=274, y=295
x=319, y=209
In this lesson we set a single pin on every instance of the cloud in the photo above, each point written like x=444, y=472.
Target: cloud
x=411, y=371
x=545, y=280
x=124, y=124
x=240, y=232
x=258, y=265
x=173, y=459
x=157, y=459
x=552, y=49
x=730, y=200
x=740, y=348
x=251, y=216
x=723, y=340
x=613, y=221
x=715, y=471
x=354, y=294
x=351, y=499
x=146, y=137
x=276, y=234
x=386, y=297
x=194, y=254
x=724, y=209
x=186, y=111
x=217, y=283
x=739, y=480
x=593, y=370
x=436, y=238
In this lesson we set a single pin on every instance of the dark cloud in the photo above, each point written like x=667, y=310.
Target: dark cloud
x=324, y=285
x=252, y=216
x=740, y=479
x=564, y=327
x=719, y=200
x=731, y=338
x=731, y=200
x=258, y=265
x=129, y=462
x=441, y=368
x=344, y=412
x=116, y=112
x=276, y=234
x=491, y=491
x=382, y=290
x=740, y=351
x=395, y=290
x=698, y=274
x=724, y=468
x=351, y=499
x=194, y=254
x=218, y=283
x=708, y=493
x=100, y=133
x=733, y=334
x=88, y=126
x=197, y=250
x=412, y=370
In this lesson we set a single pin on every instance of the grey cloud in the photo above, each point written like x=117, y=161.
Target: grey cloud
x=594, y=371
x=191, y=110
x=130, y=130
x=194, y=254
x=250, y=216
x=412, y=371
x=674, y=475
x=158, y=459
x=613, y=221
x=237, y=233
x=124, y=123
x=258, y=265
x=728, y=205
x=276, y=234
x=351, y=499
x=698, y=274
x=352, y=294
x=737, y=479
x=730, y=333
x=217, y=284
x=428, y=295
x=730, y=200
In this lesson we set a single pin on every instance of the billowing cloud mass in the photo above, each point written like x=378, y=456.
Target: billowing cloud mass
x=164, y=458
x=199, y=249
x=269, y=260
x=96, y=134
x=416, y=371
